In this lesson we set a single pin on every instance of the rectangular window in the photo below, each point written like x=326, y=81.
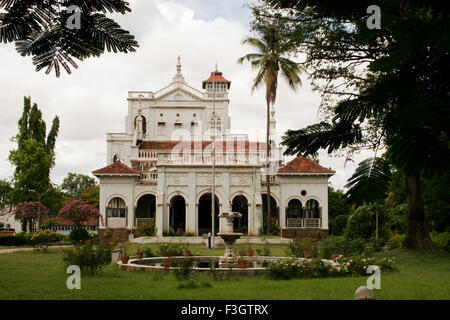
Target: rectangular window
x=194, y=128
x=161, y=128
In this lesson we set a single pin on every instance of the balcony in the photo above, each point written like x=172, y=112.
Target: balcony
x=304, y=223
x=223, y=158
x=149, y=178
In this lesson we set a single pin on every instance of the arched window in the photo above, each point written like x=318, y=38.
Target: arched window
x=215, y=124
x=312, y=209
x=116, y=208
x=117, y=158
x=294, y=209
x=144, y=123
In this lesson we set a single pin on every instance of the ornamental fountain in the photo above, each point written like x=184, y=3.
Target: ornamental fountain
x=229, y=237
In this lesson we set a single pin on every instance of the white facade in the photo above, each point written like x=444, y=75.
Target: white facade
x=161, y=167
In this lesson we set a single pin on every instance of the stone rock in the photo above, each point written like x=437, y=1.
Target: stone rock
x=364, y=293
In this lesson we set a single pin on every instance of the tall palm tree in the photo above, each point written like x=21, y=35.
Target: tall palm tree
x=269, y=61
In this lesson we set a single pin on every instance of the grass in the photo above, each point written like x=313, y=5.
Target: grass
x=30, y=275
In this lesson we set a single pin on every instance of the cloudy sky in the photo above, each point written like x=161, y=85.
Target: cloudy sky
x=92, y=101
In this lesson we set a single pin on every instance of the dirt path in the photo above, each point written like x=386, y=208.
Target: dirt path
x=28, y=249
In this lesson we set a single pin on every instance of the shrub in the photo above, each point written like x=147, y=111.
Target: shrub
x=166, y=250
x=339, y=225
x=396, y=218
x=77, y=235
x=42, y=238
x=362, y=223
x=397, y=241
x=316, y=268
x=146, y=229
x=90, y=258
x=341, y=245
x=373, y=244
x=183, y=268
x=265, y=250
x=297, y=247
x=19, y=239
x=147, y=252
x=441, y=240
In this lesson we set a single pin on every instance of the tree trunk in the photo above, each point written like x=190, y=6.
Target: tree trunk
x=417, y=235
x=268, y=166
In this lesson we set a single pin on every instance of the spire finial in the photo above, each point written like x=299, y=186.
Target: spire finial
x=216, y=64
x=179, y=64
x=178, y=76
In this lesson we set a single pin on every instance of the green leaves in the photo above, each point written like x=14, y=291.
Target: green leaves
x=39, y=29
x=321, y=136
x=370, y=181
x=75, y=184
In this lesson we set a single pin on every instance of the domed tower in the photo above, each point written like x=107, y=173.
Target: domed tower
x=221, y=84
x=217, y=87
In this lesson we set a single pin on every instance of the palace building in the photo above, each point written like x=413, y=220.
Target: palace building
x=177, y=144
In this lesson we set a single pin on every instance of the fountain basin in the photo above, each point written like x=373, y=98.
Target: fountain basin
x=202, y=264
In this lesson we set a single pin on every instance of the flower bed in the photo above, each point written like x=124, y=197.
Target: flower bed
x=316, y=268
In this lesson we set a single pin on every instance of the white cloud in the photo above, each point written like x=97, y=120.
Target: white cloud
x=92, y=101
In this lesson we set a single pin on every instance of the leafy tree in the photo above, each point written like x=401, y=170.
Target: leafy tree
x=43, y=29
x=436, y=198
x=338, y=203
x=5, y=193
x=74, y=184
x=92, y=196
x=381, y=88
x=269, y=60
x=339, y=208
x=35, y=156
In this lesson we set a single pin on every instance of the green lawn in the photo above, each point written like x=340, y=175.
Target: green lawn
x=29, y=275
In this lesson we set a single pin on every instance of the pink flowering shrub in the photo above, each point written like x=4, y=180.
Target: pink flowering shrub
x=78, y=212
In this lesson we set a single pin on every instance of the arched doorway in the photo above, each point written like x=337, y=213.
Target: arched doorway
x=145, y=209
x=274, y=215
x=177, y=216
x=240, y=204
x=116, y=213
x=294, y=214
x=204, y=214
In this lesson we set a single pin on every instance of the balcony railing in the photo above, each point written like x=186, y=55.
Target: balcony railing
x=148, y=155
x=206, y=159
x=149, y=177
x=303, y=222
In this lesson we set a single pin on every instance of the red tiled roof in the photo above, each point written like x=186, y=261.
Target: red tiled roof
x=64, y=222
x=220, y=145
x=304, y=165
x=216, y=76
x=116, y=168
